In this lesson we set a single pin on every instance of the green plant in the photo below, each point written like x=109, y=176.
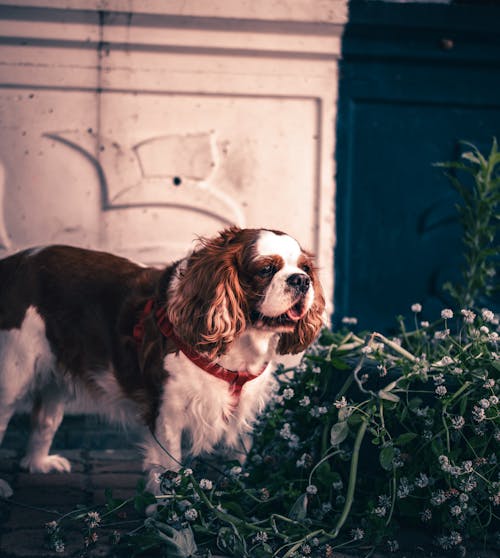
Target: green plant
x=334, y=464
x=479, y=215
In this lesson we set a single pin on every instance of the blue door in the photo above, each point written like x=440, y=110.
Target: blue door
x=415, y=80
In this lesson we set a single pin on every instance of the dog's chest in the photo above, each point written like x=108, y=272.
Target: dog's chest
x=205, y=406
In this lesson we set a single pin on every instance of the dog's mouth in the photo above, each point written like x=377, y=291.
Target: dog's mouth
x=285, y=321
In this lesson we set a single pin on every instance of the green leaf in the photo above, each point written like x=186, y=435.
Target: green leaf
x=386, y=457
x=405, y=438
x=326, y=337
x=298, y=511
x=339, y=433
x=339, y=364
x=415, y=403
x=463, y=405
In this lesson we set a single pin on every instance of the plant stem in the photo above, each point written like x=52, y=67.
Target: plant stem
x=352, y=478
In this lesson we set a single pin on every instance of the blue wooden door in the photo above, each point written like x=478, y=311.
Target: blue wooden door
x=414, y=81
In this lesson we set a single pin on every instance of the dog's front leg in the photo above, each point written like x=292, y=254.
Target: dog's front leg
x=163, y=453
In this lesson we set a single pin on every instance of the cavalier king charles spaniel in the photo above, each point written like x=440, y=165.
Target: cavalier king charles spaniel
x=185, y=351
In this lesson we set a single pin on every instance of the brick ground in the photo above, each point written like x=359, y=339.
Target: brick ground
x=39, y=499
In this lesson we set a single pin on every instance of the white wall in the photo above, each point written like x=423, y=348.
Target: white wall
x=105, y=104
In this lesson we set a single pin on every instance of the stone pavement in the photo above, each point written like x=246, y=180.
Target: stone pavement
x=39, y=499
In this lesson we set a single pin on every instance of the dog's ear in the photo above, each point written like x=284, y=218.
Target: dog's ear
x=206, y=303
x=309, y=326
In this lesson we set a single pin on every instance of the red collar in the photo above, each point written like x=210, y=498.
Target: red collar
x=235, y=379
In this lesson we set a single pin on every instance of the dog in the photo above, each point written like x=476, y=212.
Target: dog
x=186, y=351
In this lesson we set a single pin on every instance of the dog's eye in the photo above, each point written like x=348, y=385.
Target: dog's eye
x=306, y=268
x=267, y=270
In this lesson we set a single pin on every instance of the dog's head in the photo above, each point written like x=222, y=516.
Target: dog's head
x=246, y=278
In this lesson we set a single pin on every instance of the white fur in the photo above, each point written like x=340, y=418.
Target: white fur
x=28, y=365
x=202, y=407
x=279, y=297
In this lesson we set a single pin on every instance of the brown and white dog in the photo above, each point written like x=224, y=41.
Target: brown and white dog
x=186, y=351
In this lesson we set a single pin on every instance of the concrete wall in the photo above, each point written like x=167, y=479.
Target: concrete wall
x=134, y=126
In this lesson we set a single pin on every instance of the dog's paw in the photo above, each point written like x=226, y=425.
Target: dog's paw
x=153, y=483
x=5, y=489
x=46, y=464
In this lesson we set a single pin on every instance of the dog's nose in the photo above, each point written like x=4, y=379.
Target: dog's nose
x=299, y=281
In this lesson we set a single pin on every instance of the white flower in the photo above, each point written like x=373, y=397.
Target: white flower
x=326, y=507
x=468, y=467
x=188, y=472
x=439, y=379
x=191, y=514
x=468, y=484
x=235, y=471
x=422, y=480
x=304, y=461
x=286, y=431
x=487, y=315
x=342, y=402
x=426, y=515
x=446, y=314
x=305, y=401
x=484, y=403
x=478, y=414
x=337, y=485
x=349, y=320
x=438, y=498
x=380, y=511
x=367, y=350
x=444, y=462
x=441, y=390
x=445, y=361
x=92, y=519
x=455, y=538
x=489, y=383
x=468, y=315
x=404, y=489
x=425, y=323
x=312, y=489
x=439, y=335
x=455, y=510
x=458, y=422
x=493, y=399
x=493, y=336
x=261, y=536
x=357, y=534
x=206, y=484
x=393, y=546
x=417, y=307
x=288, y=393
